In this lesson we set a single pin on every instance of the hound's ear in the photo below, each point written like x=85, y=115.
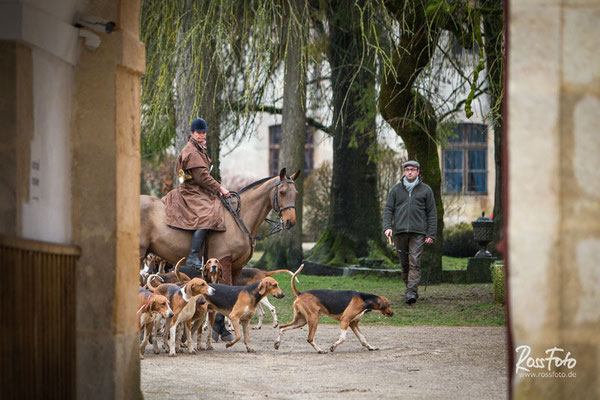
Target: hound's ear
x=383, y=303
x=262, y=287
x=282, y=174
x=296, y=175
x=371, y=304
x=188, y=288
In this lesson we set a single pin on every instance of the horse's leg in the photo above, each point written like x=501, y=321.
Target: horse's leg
x=226, y=265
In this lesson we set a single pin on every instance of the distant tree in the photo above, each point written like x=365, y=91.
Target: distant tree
x=208, y=58
x=354, y=218
x=285, y=249
x=493, y=33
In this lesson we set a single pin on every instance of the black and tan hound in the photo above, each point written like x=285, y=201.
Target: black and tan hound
x=239, y=304
x=346, y=306
x=249, y=276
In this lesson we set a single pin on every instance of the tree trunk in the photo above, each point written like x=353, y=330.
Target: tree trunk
x=184, y=99
x=492, y=29
x=413, y=119
x=189, y=82
x=285, y=248
x=354, y=217
x=210, y=110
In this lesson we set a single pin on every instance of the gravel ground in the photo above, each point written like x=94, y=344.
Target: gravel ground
x=413, y=363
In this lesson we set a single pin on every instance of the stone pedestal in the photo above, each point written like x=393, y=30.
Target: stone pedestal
x=478, y=270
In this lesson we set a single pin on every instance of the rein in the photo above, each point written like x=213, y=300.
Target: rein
x=234, y=210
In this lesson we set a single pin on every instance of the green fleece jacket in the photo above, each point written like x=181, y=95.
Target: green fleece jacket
x=411, y=213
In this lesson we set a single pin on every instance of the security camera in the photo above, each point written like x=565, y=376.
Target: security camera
x=97, y=24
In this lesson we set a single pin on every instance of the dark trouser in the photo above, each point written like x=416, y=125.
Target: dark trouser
x=197, y=250
x=410, y=248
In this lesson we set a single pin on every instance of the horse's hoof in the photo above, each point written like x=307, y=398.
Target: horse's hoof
x=172, y=355
x=250, y=350
x=322, y=351
x=275, y=325
x=256, y=327
x=229, y=344
x=276, y=345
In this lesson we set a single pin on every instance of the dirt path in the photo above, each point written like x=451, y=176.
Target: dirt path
x=412, y=363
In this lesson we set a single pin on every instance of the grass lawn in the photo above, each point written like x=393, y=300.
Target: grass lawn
x=454, y=263
x=448, y=263
x=445, y=304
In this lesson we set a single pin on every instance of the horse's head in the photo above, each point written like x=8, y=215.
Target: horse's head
x=284, y=199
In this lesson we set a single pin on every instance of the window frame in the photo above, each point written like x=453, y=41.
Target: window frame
x=464, y=144
x=309, y=149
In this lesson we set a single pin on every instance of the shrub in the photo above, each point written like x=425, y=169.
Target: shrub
x=458, y=241
x=157, y=175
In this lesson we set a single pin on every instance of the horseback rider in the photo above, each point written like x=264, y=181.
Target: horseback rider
x=195, y=204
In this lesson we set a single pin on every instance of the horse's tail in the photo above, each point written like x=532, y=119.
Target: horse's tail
x=296, y=293
x=177, y=271
x=149, y=281
x=281, y=271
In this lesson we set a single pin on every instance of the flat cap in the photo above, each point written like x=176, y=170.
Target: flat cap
x=411, y=164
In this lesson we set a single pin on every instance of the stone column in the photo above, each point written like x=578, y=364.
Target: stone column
x=105, y=200
x=554, y=194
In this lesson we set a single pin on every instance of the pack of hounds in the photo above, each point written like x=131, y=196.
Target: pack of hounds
x=176, y=307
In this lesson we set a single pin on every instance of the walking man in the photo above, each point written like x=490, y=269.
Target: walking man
x=410, y=217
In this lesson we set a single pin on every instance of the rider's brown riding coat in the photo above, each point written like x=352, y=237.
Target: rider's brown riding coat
x=195, y=204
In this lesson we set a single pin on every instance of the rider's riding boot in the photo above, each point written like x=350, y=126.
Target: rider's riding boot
x=220, y=330
x=197, y=251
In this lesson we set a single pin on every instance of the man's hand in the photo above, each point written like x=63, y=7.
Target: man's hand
x=224, y=192
x=388, y=232
x=428, y=240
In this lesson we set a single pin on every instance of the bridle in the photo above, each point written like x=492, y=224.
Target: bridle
x=276, y=226
x=276, y=199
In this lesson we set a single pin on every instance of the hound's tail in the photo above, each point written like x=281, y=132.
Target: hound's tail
x=281, y=271
x=296, y=293
x=149, y=285
x=179, y=278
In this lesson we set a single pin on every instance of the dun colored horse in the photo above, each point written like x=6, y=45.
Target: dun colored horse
x=234, y=247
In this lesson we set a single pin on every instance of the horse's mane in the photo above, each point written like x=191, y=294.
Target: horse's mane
x=258, y=182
